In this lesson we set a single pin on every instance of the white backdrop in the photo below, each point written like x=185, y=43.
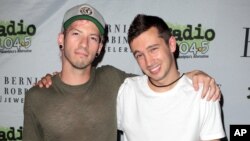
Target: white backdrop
x=28, y=47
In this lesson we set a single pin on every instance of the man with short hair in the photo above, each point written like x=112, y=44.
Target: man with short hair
x=162, y=104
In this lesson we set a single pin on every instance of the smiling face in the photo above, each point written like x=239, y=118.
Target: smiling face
x=81, y=42
x=154, y=56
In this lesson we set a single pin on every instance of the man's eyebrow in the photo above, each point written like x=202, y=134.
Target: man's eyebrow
x=153, y=45
x=95, y=34
x=74, y=29
x=150, y=46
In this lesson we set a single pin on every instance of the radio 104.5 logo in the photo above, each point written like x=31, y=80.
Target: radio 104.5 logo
x=15, y=36
x=193, y=40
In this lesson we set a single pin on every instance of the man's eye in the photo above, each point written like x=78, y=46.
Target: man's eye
x=137, y=56
x=153, y=49
x=96, y=39
x=75, y=33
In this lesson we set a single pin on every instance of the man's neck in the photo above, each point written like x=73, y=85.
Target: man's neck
x=75, y=76
x=166, y=84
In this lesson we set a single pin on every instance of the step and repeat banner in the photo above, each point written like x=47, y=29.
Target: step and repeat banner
x=213, y=36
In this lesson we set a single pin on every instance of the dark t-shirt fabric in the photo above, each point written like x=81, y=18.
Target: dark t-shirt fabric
x=85, y=112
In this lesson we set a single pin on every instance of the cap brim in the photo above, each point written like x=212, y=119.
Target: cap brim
x=84, y=17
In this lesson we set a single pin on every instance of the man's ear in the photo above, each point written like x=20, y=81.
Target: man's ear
x=100, y=48
x=172, y=43
x=60, y=40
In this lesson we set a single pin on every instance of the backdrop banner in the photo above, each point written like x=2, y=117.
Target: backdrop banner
x=213, y=36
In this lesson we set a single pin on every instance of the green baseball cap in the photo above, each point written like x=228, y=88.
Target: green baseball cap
x=85, y=12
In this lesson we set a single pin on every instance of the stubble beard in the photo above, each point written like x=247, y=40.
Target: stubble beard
x=77, y=64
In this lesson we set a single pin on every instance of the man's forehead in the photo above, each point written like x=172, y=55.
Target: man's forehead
x=87, y=23
x=83, y=22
